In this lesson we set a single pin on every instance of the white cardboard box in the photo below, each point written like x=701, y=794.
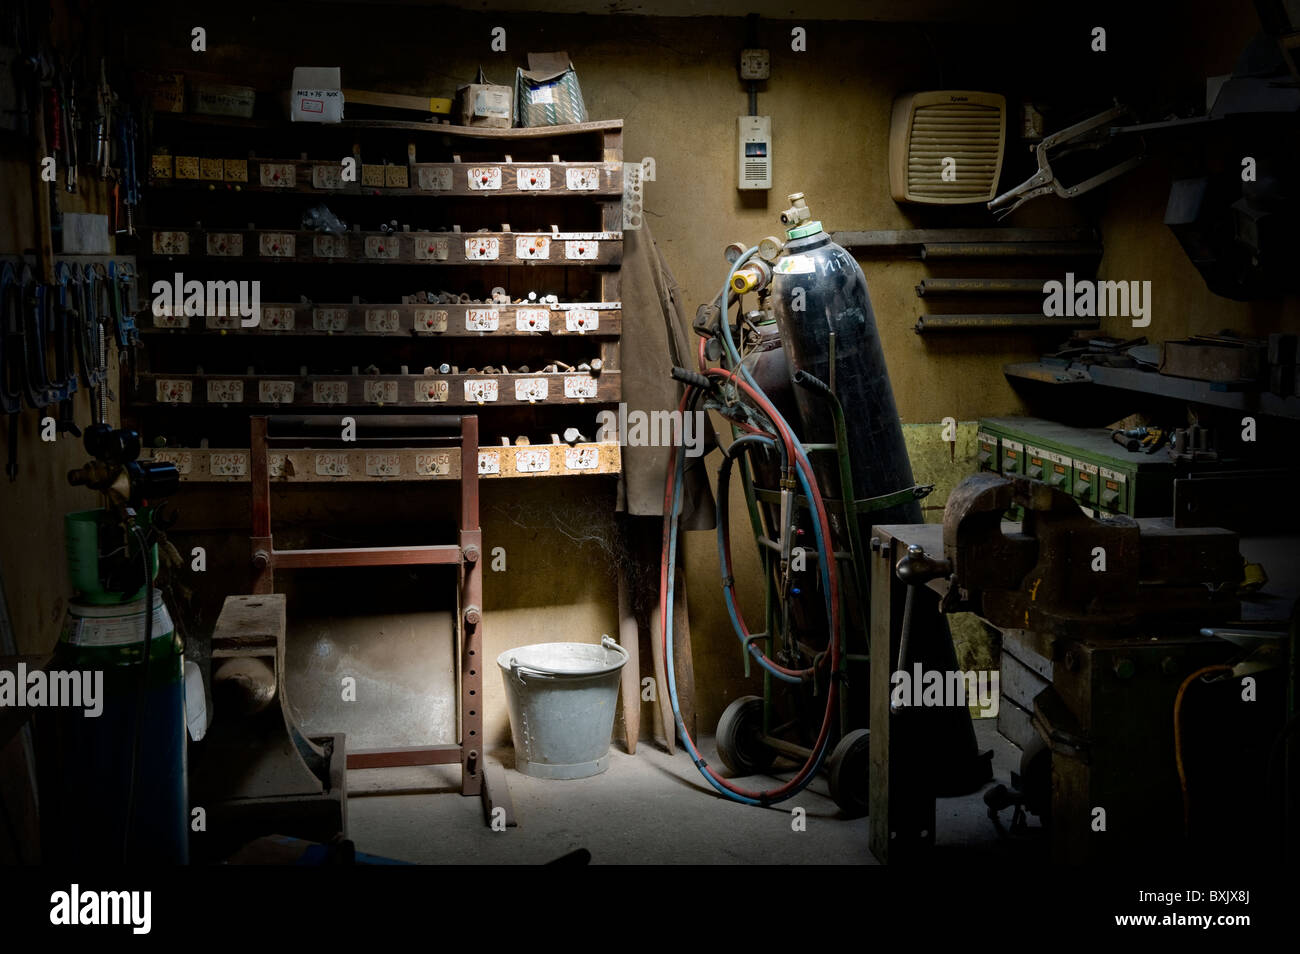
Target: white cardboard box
x=317, y=95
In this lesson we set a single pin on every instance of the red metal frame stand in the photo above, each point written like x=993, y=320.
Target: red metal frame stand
x=466, y=554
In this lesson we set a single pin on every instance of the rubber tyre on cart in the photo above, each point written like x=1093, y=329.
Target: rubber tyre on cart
x=849, y=771
x=740, y=737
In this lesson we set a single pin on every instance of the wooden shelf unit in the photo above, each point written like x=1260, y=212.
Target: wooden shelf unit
x=223, y=227
x=392, y=465
x=597, y=320
x=231, y=225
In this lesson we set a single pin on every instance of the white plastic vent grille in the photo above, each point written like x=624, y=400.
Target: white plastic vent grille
x=969, y=133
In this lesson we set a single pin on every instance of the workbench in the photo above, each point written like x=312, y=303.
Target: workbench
x=1107, y=724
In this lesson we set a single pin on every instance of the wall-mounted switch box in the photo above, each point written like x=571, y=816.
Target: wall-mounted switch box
x=755, y=64
x=755, y=153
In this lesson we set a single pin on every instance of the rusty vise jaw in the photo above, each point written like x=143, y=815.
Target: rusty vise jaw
x=1067, y=573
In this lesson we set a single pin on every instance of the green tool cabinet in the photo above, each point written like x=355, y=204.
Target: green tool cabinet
x=1083, y=461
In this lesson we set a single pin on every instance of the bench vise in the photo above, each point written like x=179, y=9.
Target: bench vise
x=1066, y=573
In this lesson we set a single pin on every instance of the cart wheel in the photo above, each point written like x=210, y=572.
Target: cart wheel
x=740, y=737
x=849, y=768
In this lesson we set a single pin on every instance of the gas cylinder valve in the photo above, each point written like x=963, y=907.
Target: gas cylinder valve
x=798, y=211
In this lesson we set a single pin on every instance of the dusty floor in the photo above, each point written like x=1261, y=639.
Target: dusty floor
x=650, y=808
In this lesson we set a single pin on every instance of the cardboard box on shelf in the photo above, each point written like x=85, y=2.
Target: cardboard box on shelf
x=547, y=93
x=481, y=103
x=165, y=91
x=221, y=99
x=317, y=95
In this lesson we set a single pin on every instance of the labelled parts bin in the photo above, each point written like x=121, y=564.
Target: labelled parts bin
x=562, y=698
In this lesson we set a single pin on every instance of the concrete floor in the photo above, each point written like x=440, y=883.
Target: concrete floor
x=650, y=808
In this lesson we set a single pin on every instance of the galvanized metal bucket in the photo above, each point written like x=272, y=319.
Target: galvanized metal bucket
x=562, y=698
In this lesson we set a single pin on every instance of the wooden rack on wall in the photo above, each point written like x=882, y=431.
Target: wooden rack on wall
x=378, y=335
x=409, y=330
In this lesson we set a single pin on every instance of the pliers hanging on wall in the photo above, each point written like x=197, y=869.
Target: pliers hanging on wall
x=92, y=344
x=65, y=317
x=32, y=320
x=1090, y=134
x=122, y=306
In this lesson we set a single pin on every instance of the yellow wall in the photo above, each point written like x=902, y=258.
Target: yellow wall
x=674, y=83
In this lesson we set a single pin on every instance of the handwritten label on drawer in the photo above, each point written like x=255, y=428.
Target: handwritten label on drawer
x=530, y=180
x=225, y=392
x=382, y=320
x=582, y=249
x=482, y=249
x=187, y=167
x=278, y=175
x=489, y=462
x=430, y=321
x=382, y=246
x=532, y=460
x=533, y=248
x=433, y=465
x=332, y=465
x=275, y=464
x=277, y=319
x=329, y=319
x=218, y=322
x=277, y=244
x=184, y=460
x=327, y=175
x=431, y=391
x=434, y=180
x=229, y=464
x=395, y=177
x=210, y=170
x=329, y=246
x=430, y=249
x=581, y=458
x=581, y=320
x=579, y=386
x=482, y=319
x=329, y=392
x=532, y=319
x=484, y=178
x=380, y=392
x=481, y=390
x=581, y=179
x=171, y=243
x=170, y=391
x=235, y=170
x=530, y=389
x=372, y=175
x=171, y=321
x=229, y=244
x=275, y=392
x=383, y=465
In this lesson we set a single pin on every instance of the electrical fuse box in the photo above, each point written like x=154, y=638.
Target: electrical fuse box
x=1104, y=477
x=1013, y=456
x=987, y=451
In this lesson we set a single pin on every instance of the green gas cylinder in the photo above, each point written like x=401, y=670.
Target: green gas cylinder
x=113, y=785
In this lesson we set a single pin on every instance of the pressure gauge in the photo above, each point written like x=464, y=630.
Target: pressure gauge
x=770, y=248
x=755, y=64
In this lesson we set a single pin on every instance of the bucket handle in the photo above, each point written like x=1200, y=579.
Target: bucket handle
x=606, y=641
